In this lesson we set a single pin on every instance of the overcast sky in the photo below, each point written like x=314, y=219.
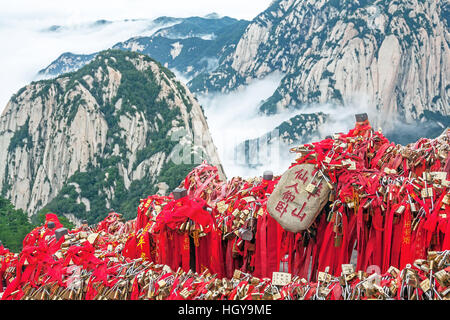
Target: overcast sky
x=26, y=48
x=84, y=10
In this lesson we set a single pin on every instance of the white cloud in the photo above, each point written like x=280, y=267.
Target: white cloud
x=235, y=117
x=86, y=10
x=26, y=49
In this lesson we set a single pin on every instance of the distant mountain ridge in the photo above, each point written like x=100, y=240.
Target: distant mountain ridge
x=100, y=138
x=189, y=45
x=392, y=56
x=67, y=62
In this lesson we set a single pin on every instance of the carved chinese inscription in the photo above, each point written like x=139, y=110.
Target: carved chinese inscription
x=291, y=204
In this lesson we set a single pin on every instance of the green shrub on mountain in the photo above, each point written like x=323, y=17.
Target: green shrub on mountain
x=14, y=226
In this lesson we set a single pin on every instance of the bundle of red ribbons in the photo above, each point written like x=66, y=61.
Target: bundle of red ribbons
x=389, y=202
x=388, y=208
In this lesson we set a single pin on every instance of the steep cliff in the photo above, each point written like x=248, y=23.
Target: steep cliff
x=392, y=56
x=119, y=128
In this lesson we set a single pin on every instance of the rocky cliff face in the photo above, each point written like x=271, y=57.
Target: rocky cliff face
x=392, y=56
x=100, y=138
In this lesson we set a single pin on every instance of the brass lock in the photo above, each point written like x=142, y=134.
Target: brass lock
x=441, y=277
x=446, y=199
x=311, y=188
x=347, y=269
x=338, y=240
x=425, y=285
x=329, y=156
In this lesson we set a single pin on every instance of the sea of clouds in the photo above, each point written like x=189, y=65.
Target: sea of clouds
x=30, y=46
x=235, y=117
x=35, y=33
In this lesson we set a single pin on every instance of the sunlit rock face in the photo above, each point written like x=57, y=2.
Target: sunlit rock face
x=391, y=56
x=100, y=138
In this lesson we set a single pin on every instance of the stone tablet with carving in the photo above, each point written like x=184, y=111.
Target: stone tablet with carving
x=292, y=205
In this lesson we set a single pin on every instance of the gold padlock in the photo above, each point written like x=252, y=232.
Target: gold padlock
x=446, y=199
x=393, y=288
x=425, y=285
x=347, y=269
x=276, y=296
x=311, y=188
x=237, y=274
x=322, y=277
x=424, y=193
x=441, y=276
x=185, y=293
x=400, y=209
x=256, y=296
